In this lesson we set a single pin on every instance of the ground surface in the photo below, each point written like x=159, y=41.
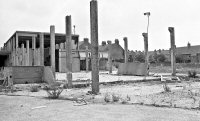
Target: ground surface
x=144, y=101
x=20, y=108
x=25, y=105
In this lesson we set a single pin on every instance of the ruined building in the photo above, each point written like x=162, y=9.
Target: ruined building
x=25, y=48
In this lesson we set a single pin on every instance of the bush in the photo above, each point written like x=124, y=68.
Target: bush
x=192, y=74
x=161, y=58
x=115, y=97
x=53, y=92
x=140, y=57
x=34, y=89
x=166, y=87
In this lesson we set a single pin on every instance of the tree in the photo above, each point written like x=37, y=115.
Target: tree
x=140, y=57
x=179, y=59
x=161, y=58
x=151, y=59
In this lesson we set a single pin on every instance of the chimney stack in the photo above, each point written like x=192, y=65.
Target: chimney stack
x=117, y=41
x=103, y=43
x=109, y=42
x=86, y=40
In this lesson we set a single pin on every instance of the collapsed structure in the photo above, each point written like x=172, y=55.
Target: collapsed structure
x=25, y=48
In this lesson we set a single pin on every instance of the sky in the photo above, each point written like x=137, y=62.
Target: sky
x=116, y=18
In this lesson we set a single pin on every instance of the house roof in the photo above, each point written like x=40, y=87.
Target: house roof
x=103, y=48
x=82, y=45
x=116, y=50
x=193, y=50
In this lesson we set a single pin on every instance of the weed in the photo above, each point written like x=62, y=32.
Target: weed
x=108, y=97
x=53, y=92
x=34, y=89
x=115, y=97
x=128, y=98
x=192, y=74
x=166, y=87
x=125, y=100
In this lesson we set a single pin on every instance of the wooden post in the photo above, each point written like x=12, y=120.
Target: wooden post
x=41, y=49
x=145, y=35
x=33, y=50
x=109, y=61
x=95, y=44
x=27, y=53
x=23, y=55
x=68, y=51
x=172, y=38
x=125, y=50
x=52, y=45
x=14, y=52
x=86, y=59
x=17, y=51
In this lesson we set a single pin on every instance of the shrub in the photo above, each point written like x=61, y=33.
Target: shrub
x=140, y=57
x=161, y=58
x=34, y=89
x=115, y=97
x=53, y=92
x=192, y=74
x=108, y=97
x=166, y=87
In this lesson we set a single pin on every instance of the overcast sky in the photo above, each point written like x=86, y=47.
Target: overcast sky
x=117, y=19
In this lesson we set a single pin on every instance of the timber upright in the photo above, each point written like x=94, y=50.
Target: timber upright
x=86, y=60
x=125, y=49
x=41, y=49
x=68, y=50
x=172, y=41
x=95, y=49
x=145, y=35
x=52, y=45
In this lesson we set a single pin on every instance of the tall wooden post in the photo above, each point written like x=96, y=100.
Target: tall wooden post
x=41, y=49
x=14, y=52
x=125, y=50
x=68, y=50
x=33, y=49
x=95, y=44
x=52, y=45
x=17, y=51
x=109, y=61
x=172, y=38
x=23, y=55
x=145, y=35
x=86, y=59
x=27, y=53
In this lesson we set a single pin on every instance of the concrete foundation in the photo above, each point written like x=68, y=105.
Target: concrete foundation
x=132, y=69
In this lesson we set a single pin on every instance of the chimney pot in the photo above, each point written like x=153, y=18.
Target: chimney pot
x=117, y=41
x=103, y=43
x=86, y=40
x=109, y=42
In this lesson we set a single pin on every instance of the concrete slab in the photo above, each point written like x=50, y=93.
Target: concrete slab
x=105, y=77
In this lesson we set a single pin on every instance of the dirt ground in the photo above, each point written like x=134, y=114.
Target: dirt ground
x=21, y=108
x=148, y=102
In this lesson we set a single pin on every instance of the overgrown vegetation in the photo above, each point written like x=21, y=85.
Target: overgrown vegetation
x=113, y=97
x=53, y=91
x=140, y=57
x=192, y=74
x=166, y=87
x=34, y=88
